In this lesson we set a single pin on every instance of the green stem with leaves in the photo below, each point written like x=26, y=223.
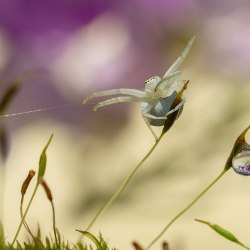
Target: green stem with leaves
x=239, y=145
x=186, y=208
x=41, y=172
x=124, y=184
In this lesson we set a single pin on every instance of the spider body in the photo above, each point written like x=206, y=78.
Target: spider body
x=158, y=97
x=160, y=109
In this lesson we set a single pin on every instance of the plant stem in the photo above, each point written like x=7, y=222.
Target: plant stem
x=123, y=185
x=186, y=208
x=2, y=190
x=25, y=213
x=24, y=222
x=241, y=244
x=54, y=223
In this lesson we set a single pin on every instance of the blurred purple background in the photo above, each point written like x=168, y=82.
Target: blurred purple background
x=85, y=46
x=82, y=46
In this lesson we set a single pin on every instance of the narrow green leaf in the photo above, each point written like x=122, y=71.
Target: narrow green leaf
x=42, y=165
x=19, y=246
x=38, y=235
x=39, y=245
x=223, y=232
x=103, y=242
x=91, y=237
x=48, y=246
x=1, y=235
x=43, y=160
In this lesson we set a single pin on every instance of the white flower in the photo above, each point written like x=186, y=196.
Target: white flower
x=158, y=97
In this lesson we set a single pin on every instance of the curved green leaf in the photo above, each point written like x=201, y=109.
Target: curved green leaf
x=43, y=160
x=91, y=237
x=223, y=232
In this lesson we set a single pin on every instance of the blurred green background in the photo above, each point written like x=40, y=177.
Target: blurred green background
x=82, y=46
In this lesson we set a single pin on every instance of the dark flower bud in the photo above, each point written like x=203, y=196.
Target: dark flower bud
x=46, y=189
x=241, y=162
x=239, y=158
x=27, y=181
x=137, y=246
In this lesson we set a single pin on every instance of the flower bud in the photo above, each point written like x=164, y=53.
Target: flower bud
x=27, y=181
x=241, y=162
x=137, y=246
x=239, y=158
x=175, y=115
x=46, y=189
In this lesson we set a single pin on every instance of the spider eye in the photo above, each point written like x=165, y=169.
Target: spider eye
x=151, y=83
x=150, y=80
x=153, y=79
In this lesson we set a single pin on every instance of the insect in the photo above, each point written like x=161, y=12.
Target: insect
x=157, y=98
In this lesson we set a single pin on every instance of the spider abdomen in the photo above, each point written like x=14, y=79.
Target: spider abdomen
x=160, y=109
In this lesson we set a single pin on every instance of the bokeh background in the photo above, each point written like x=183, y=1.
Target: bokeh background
x=81, y=46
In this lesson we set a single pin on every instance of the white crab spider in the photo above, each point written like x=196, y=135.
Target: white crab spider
x=158, y=97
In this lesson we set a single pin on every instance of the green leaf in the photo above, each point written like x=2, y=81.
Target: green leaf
x=223, y=232
x=1, y=235
x=43, y=160
x=92, y=237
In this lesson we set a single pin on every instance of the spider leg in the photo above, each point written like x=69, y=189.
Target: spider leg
x=154, y=117
x=177, y=106
x=180, y=59
x=131, y=92
x=144, y=113
x=149, y=127
x=167, y=82
x=177, y=86
x=117, y=100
